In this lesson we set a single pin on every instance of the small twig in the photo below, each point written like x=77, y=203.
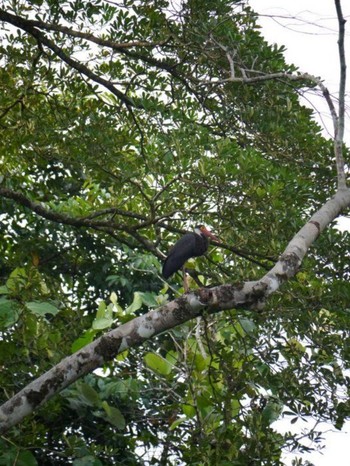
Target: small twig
x=165, y=187
x=11, y=106
x=114, y=211
x=198, y=338
x=142, y=136
x=228, y=55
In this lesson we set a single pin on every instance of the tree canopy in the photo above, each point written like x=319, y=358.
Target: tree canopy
x=123, y=125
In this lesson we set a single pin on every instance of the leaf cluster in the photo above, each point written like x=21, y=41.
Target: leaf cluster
x=120, y=130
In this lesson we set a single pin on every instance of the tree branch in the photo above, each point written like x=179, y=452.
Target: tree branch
x=110, y=226
x=107, y=226
x=91, y=38
x=338, y=119
x=245, y=79
x=251, y=294
x=27, y=26
x=58, y=217
x=339, y=131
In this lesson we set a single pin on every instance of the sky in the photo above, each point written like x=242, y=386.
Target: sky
x=309, y=30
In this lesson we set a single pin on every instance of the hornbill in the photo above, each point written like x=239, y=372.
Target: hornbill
x=190, y=245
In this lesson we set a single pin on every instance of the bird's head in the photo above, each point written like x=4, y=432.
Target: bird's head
x=202, y=230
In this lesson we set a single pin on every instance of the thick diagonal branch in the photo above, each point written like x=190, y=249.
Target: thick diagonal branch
x=250, y=294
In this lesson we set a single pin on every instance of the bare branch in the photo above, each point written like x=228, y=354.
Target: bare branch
x=339, y=134
x=342, y=83
x=245, y=79
x=228, y=55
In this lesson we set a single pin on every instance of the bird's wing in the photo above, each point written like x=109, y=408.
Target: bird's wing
x=179, y=254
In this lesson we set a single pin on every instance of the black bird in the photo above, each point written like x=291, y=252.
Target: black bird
x=190, y=245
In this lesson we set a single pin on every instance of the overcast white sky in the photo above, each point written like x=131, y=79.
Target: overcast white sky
x=309, y=30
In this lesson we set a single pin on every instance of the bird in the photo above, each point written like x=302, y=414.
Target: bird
x=192, y=244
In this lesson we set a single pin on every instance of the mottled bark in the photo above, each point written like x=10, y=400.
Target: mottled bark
x=248, y=295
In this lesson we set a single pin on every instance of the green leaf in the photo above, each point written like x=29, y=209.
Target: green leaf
x=104, y=316
x=188, y=410
x=272, y=412
x=136, y=304
x=4, y=290
x=84, y=340
x=17, y=457
x=149, y=299
x=235, y=407
x=26, y=458
x=172, y=357
x=114, y=298
x=17, y=279
x=119, y=389
x=114, y=416
x=177, y=422
x=89, y=393
x=158, y=364
x=8, y=312
x=42, y=308
x=247, y=325
x=55, y=337
x=122, y=356
x=201, y=362
x=101, y=310
x=88, y=460
x=102, y=323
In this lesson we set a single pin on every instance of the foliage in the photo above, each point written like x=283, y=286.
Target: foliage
x=117, y=146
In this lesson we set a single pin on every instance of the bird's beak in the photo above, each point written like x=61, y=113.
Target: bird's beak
x=209, y=234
